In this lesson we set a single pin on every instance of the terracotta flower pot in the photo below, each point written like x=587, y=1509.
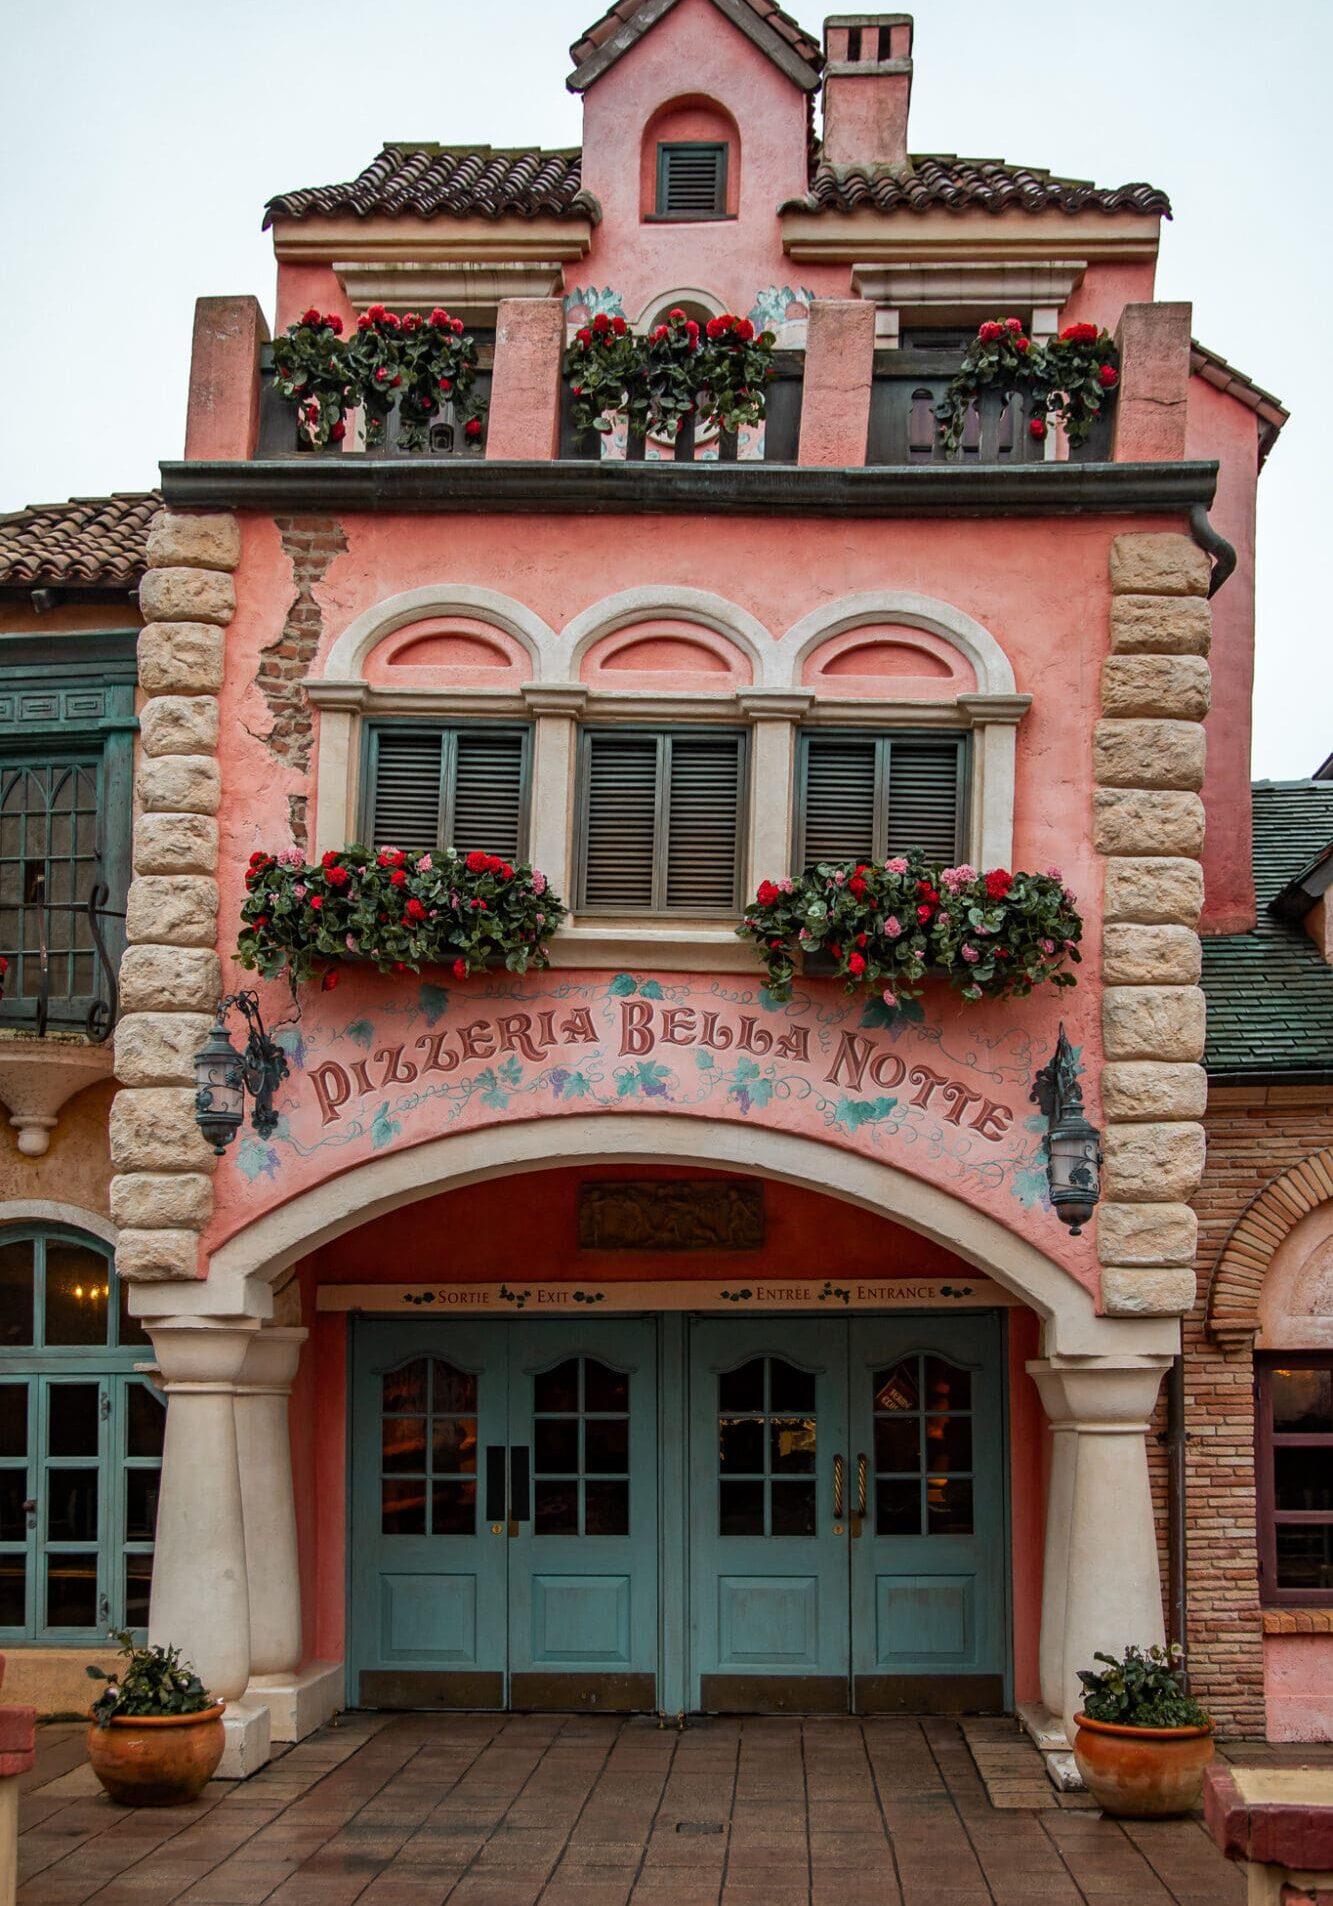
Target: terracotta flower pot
x=1142, y=1773
x=159, y=1760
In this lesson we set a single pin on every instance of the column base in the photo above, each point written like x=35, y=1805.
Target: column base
x=1047, y=1733
x=249, y=1740
x=298, y=1703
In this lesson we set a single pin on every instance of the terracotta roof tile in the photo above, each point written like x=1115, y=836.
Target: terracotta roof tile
x=933, y=181
x=622, y=13
x=450, y=182
x=89, y=540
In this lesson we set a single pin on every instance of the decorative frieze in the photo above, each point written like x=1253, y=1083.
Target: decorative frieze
x=1148, y=820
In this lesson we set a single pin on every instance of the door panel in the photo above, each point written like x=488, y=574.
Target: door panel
x=929, y=1614
x=769, y=1565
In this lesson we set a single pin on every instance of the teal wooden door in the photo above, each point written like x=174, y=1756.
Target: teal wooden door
x=504, y=1514
x=928, y=1554
x=769, y=1587
x=583, y=1561
x=428, y=1578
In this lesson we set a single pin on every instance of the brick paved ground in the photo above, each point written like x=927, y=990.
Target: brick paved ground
x=414, y=1810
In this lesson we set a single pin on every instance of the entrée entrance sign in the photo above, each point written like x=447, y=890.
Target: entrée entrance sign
x=826, y=1294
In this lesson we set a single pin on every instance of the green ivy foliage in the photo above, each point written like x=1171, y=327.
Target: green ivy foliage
x=1068, y=381
x=402, y=911
x=716, y=372
x=416, y=364
x=889, y=925
x=154, y=1681
x=1142, y=1689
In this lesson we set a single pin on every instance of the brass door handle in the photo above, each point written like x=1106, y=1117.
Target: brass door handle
x=839, y=1474
x=862, y=1473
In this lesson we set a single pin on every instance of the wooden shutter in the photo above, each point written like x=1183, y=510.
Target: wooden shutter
x=620, y=819
x=703, y=822
x=691, y=180
x=840, y=796
x=923, y=798
x=407, y=787
x=488, y=791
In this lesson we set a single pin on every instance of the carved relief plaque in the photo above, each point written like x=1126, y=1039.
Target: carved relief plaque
x=689, y=1215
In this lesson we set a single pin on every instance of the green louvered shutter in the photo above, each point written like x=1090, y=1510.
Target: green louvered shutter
x=866, y=797
x=449, y=787
x=620, y=820
x=923, y=798
x=841, y=798
x=703, y=822
x=691, y=180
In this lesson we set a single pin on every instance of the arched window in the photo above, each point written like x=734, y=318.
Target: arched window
x=80, y=1442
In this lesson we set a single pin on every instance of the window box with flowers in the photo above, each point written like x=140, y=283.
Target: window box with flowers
x=1070, y=381
x=417, y=374
x=679, y=378
x=397, y=910
x=889, y=926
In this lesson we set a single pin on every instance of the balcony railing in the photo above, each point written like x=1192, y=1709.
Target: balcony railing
x=279, y=435
x=908, y=391
x=62, y=972
x=774, y=441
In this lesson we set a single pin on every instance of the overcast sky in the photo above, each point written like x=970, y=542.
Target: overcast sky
x=139, y=140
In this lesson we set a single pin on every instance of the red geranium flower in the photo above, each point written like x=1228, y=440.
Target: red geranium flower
x=583, y=334
x=415, y=910
x=676, y=314
x=619, y=326
x=397, y=878
x=338, y=877
x=767, y=894
x=923, y=914
x=1079, y=334
x=338, y=431
x=477, y=862
x=601, y=324
x=460, y=969
x=856, y=965
x=472, y=428
x=316, y=901
x=1108, y=376
x=998, y=883
x=329, y=981
x=1037, y=427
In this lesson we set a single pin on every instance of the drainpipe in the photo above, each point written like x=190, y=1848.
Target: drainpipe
x=1175, y=1438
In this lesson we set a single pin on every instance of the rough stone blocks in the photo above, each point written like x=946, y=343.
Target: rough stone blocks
x=158, y=1048
x=172, y=910
x=1157, y=564
x=187, y=595
x=148, y=1257
x=1138, y=821
x=180, y=724
x=1137, y=1089
x=1153, y=1163
x=179, y=784
x=1153, y=1022
x=181, y=658
x=1148, y=754
x=162, y=1201
x=1130, y=1291
x=1146, y=1234
x=1161, y=625
x=175, y=844
x=169, y=979
x=153, y=1129
x=1150, y=956
x=194, y=542
x=1179, y=686
x=1165, y=892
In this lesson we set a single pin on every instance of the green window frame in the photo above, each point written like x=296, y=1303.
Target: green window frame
x=81, y=1434
x=692, y=179
x=661, y=820
x=868, y=795
x=433, y=785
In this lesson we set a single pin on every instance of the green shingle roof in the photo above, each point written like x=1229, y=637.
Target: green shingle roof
x=1270, y=994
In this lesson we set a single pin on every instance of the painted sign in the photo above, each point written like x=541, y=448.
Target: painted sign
x=404, y=1062
x=828, y=1294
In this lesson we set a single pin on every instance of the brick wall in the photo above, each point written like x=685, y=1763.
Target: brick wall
x=1253, y=1134
x=311, y=544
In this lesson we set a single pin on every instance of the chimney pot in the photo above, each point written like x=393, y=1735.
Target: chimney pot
x=867, y=88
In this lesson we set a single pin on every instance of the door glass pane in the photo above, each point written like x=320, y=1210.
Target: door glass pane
x=768, y=1444
x=453, y=1448
x=73, y=1417
x=138, y=1586
x=557, y=1389
x=145, y=1420
x=949, y=1505
x=13, y=1419
x=898, y=1388
x=403, y=1444
x=792, y=1389
x=555, y=1446
x=454, y=1445
x=947, y=1388
x=1302, y=1401
x=791, y=1444
x=898, y=1506
x=742, y=1389
x=1305, y=1555
x=556, y=1508
x=71, y=1591
x=793, y=1508
x=404, y=1391
x=16, y=1282
x=605, y=1508
x=897, y=1440
x=141, y=1491
x=570, y=1444
x=78, y=1290
x=403, y=1507
x=13, y=1591
x=71, y=1505
x=455, y=1391
x=453, y=1508
x=741, y=1508
x=741, y=1445
x=948, y=1442
x=912, y=1441
x=606, y=1446
x=131, y=1333
x=1303, y=1478
x=604, y=1388
x=13, y=1517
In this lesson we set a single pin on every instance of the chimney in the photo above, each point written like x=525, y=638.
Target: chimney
x=867, y=88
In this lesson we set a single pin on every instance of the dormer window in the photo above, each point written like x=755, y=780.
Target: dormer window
x=692, y=179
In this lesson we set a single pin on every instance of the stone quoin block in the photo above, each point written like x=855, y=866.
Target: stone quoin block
x=1154, y=1022
x=187, y=595
x=161, y=1200
x=165, y=979
x=179, y=784
x=172, y=910
x=1165, y=892
x=151, y=1257
x=175, y=844
x=1175, y=686
x=1147, y=1234
x=1150, y=956
x=1140, y=1291
x=179, y=724
x=1152, y=1163
x=1150, y=1089
x=177, y=541
x=181, y=658
x=1148, y=754
x=1161, y=625
x=152, y=1129
x=1154, y=563
x=159, y=1048
x=1137, y=821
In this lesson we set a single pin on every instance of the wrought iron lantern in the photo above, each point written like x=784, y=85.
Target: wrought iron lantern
x=1073, y=1145
x=223, y=1076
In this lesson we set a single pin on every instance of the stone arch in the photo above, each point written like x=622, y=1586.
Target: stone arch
x=50, y=1211
x=651, y=603
x=248, y=1263
x=345, y=661
x=1232, y=1313
x=992, y=667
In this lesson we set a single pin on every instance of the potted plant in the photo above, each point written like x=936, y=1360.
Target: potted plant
x=156, y=1736
x=1143, y=1742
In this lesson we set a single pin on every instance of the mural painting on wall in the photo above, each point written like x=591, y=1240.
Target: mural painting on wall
x=947, y=1102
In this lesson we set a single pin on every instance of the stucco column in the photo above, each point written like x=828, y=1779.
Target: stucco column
x=1101, y=1589
x=556, y=708
x=775, y=714
x=264, y=1458
x=200, y=1600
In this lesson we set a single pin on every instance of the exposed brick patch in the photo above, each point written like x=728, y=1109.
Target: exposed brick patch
x=1248, y=1144
x=310, y=543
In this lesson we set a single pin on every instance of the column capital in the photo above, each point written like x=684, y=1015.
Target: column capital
x=201, y=1354
x=1106, y=1397
x=556, y=698
x=271, y=1361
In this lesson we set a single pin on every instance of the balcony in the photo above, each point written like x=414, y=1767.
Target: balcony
x=60, y=1006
